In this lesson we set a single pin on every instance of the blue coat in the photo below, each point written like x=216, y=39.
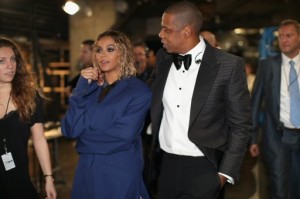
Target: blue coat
x=108, y=139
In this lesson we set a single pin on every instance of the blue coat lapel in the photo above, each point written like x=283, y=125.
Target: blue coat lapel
x=115, y=92
x=100, y=108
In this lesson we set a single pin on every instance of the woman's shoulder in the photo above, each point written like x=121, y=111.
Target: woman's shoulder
x=134, y=81
x=137, y=84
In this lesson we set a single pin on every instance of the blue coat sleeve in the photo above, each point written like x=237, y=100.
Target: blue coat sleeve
x=72, y=124
x=123, y=133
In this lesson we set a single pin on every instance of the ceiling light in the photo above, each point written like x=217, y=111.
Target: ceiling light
x=70, y=7
x=88, y=11
x=239, y=31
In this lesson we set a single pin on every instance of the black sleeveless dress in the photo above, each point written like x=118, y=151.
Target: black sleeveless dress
x=16, y=183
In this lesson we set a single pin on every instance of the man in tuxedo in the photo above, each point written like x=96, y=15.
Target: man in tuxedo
x=200, y=109
x=276, y=88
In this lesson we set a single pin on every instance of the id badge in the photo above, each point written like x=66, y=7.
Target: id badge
x=8, y=161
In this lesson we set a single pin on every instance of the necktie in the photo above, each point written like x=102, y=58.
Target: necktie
x=186, y=59
x=294, y=96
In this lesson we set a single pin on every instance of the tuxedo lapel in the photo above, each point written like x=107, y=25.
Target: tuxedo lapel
x=204, y=82
x=164, y=62
x=162, y=76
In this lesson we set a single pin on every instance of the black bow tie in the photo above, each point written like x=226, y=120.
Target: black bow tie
x=187, y=59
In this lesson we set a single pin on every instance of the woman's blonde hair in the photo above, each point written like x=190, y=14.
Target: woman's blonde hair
x=124, y=46
x=24, y=89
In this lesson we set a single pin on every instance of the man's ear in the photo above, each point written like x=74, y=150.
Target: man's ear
x=187, y=31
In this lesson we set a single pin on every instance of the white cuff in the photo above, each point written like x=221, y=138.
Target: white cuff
x=229, y=179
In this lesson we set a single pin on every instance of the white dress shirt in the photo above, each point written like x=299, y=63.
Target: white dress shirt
x=284, y=93
x=177, y=97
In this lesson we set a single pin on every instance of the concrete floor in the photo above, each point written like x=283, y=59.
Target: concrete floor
x=253, y=181
x=252, y=184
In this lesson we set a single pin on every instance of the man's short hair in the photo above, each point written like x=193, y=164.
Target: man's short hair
x=187, y=13
x=88, y=42
x=291, y=22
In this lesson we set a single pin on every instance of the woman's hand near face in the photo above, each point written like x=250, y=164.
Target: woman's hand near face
x=90, y=74
x=100, y=78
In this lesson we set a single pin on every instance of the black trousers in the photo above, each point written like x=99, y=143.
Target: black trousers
x=186, y=177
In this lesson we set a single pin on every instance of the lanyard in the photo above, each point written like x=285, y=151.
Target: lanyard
x=3, y=139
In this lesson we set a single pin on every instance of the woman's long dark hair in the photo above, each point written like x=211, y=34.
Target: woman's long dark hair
x=24, y=89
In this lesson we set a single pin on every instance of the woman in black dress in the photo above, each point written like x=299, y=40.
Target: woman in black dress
x=20, y=116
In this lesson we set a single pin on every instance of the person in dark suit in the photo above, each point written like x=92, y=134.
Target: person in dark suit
x=107, y=118
x=200, y=109
x=85, y=60
x=274, y=91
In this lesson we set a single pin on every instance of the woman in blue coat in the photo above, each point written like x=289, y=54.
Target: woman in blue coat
x=106, y=115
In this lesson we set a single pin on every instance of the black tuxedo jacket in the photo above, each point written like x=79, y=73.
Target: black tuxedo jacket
x=220, y=121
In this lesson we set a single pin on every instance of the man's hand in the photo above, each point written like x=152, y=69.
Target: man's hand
x=254, y=150
x=223, y=180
